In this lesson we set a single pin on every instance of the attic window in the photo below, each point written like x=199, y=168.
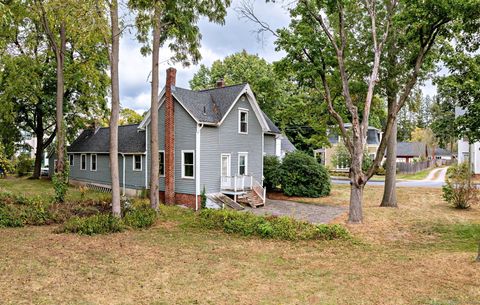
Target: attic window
x=204, y=110
x=243, y=121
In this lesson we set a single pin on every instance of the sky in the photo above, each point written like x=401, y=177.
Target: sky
x=218, y=41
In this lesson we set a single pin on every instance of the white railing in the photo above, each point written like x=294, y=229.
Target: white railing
x=243, y=183
x=236, y=183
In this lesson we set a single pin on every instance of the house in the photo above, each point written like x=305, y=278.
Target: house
x=443, y=154
x=412, y=152
x=468, y=152
x=212, y=140
x=326, y=155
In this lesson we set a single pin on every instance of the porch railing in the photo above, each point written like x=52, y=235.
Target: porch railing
x=243, y=183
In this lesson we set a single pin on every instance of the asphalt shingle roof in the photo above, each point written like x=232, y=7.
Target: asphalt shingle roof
x=130, y=140
x=416, y=149
x=211, y=105
x=287, y=146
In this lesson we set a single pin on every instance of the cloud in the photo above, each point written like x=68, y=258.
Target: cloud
x=218, y=41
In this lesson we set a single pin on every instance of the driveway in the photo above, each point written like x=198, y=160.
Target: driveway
x=312, y=213
x=433, y=180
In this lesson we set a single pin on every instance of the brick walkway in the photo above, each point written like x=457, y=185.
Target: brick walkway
x=312, y=213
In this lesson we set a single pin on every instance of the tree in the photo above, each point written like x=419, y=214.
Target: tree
x=176, y=22
x=443, y=122
x=319, y=47
x=426, y=136
x=240, y=68
x=129, y=116
x=28, y=80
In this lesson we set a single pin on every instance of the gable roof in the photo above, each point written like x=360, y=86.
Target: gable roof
x=211, y=106
x=286, y=145
x=130, y=140
x=408, y=149
x=442, y=152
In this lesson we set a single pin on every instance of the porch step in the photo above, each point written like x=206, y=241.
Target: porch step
x=251, y=199
x=223, y=200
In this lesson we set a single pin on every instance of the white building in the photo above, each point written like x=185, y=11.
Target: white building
x=468, y=152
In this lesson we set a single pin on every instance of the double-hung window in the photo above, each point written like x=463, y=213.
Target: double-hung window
x=137, y=163
x=70, y=160
x=188, y=164
x=83, y=162
x=243, y=121
x=161, y=163
x=242, y=164
x=93, y=162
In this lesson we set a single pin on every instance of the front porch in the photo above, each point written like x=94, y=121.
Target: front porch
x=245, y=186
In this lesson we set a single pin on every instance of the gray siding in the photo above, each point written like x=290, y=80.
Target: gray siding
x=185, y=132
x=269, y=144
x=226, y=139
x=134, y=179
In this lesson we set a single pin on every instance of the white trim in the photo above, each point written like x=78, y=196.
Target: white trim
x=245, y=154
x=183, y=163
x=81, y=163
x=91, y=162
x=123, y=176
x=229, y=169
x=197, y=163
x=253, y=102
x=146, y=158
x=134, y=163
x=240, y=112
x=161, y=151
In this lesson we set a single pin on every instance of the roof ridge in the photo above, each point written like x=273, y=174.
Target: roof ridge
x=126, y=125
x=218, y=88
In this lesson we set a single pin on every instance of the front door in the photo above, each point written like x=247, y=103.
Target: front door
x=225, y=165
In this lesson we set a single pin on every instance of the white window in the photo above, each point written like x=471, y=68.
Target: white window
x=83, y=162
x=93, y=162
x=161, y=163
x=243, y=121
x=137, y=163
x=225, y=165
x=242, y=163
x=188, y=164
x=70, y=160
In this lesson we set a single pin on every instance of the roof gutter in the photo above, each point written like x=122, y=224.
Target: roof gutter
x=197, y=164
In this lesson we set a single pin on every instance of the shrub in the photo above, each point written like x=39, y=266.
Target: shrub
x=10, y=216
x=140, y=218
x=271, y=172
x=6, y=166
x=459, y=190
x=95, y=224
x=203, y=197
x=18, y=210
x=303, y=176
x=60, y=184
x=24, y=165
x=284, y=228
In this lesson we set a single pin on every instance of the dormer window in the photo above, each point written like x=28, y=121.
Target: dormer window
x=243, y=121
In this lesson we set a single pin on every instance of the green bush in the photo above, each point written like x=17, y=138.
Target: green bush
x=303, y=176
x=24, y=165
x=10, y=216
x=284, y=228
x=458, y=190
x=139, y=218
x=18, y=210
x=271, y=172
x=6, y=166
x=95, y=224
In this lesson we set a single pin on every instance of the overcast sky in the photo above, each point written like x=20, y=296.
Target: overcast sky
x=218, y=41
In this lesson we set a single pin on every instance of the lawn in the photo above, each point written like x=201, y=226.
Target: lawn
x=420, y=253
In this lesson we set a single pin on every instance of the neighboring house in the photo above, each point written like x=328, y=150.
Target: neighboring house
x=408, y=152
x=468, y=152
x=443, y=154
x=211, y=139
x=285, y=146
x=326, y=155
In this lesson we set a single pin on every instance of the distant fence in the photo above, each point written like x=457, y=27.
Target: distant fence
x=411, y=168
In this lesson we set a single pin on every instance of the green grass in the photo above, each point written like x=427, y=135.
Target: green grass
x=459, y=236
x=417, y=176
x=44, y=188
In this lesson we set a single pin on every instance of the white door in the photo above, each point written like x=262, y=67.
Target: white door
x=225, y=165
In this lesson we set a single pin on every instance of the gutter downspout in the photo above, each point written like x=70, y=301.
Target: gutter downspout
x=123, y=175
x=197, y=165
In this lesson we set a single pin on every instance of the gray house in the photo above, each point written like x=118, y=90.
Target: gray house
x=211, y=139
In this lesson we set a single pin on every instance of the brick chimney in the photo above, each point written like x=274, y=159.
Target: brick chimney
x=220, y=83
x=170, y=137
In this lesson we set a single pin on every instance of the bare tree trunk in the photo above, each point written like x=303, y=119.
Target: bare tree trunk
x=114, y=57
x=355, y=214
x=478, y=256
x=60, y=57
x=154, y=162
x=39, y=133
x=389, y=191
x=357, y=182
